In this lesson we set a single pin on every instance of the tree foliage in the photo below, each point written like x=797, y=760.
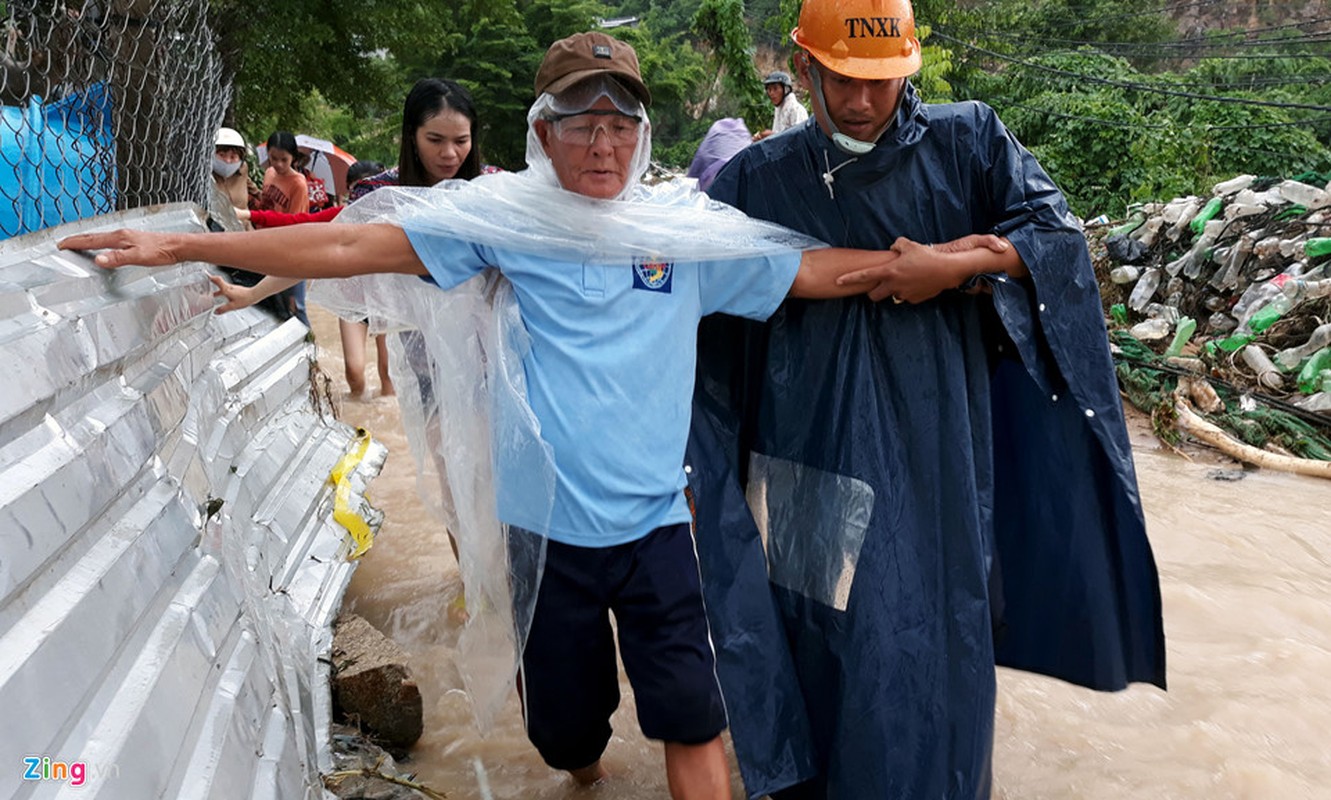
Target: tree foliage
x=1116, y=105
x=722, y=27
x=677, y=75
x=275, y=54
x=495, y=58
x=937, y=66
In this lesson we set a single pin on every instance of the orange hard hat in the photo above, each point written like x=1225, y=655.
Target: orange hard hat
x=866, y=39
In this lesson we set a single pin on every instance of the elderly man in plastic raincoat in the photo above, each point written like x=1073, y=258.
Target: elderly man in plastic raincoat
x=561, y=395
x=940, y=483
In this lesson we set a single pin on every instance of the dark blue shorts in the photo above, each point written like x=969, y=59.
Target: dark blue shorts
x=569, y=679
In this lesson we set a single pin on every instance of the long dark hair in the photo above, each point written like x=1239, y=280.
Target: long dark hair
x=429, y=98
x=286, y=140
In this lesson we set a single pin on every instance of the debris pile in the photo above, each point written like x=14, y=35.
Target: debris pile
x=364, y=771
x=1226, y=300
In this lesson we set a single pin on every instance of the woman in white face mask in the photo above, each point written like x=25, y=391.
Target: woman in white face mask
x=229, y=168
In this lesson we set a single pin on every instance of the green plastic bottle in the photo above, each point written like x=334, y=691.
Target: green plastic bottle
x=1235, y=342
x=1266, y=317
x=1310, y=380
x=1317, y=246
x=1136, y=218
x=1204, y=216
x=1182, y=333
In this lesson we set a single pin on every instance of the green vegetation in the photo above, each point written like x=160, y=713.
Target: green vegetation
x=1114, y=100
x=1110, y=96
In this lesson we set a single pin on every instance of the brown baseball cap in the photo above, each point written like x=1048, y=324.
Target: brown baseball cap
x=584, y=55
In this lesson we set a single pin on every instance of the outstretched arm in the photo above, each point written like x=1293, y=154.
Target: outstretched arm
x=298, y=251
x=923, y=271
x=909, y=271
x=822, y=272
x=277, y=219
x=238, y=296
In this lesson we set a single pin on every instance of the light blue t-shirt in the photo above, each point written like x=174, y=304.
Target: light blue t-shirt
x=610, y=375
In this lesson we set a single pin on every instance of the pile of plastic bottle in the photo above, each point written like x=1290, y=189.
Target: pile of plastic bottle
x=1240, y=281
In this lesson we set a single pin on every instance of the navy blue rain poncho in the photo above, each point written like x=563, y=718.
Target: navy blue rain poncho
x=940, y=486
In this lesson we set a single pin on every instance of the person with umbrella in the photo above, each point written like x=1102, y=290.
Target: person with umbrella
x=329, y=163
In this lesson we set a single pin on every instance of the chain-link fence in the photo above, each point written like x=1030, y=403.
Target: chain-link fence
x=106, y=105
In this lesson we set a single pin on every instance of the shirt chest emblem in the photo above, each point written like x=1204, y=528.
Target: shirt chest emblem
x=652, y=276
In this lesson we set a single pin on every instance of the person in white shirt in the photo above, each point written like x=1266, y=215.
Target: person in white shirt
x=789, y=112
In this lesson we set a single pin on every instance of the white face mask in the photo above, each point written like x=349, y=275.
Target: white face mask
x=225, y=169
x=847, y=145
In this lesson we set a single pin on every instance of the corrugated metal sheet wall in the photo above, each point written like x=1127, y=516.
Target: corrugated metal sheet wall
x=169, y=568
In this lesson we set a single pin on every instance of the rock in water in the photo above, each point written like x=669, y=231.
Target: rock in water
x=372, y=686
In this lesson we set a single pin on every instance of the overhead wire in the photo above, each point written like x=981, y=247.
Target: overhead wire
x=1171, y=51
x=1188, y=46
x=1196, y=57
x=1141, y=87
x=1175, y=89
x=1251, y=82
x=1255, y=82
x=1108, y=123
x=1209, y=39
x=1149, y=126
x=1163, y=9
x=1166, y=9
x=1206, y=58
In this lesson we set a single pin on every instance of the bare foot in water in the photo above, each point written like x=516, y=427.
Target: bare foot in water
x=590, y=775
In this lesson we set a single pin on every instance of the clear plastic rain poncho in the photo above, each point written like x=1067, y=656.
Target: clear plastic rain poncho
x=456, y=356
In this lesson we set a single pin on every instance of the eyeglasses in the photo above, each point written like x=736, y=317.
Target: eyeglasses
x=580, y=129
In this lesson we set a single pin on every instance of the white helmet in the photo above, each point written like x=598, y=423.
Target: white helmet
x=229, y=137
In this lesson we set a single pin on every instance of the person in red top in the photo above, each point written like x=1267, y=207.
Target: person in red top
x=284, y=188
x=353, y=334
x=276, y=219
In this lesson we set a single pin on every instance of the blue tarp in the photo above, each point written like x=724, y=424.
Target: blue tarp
x=964, y=459
x=57, y=161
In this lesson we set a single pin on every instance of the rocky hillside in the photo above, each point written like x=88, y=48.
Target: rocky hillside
x=1195, y=18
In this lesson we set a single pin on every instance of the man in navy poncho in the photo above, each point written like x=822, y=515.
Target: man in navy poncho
x=936, y=484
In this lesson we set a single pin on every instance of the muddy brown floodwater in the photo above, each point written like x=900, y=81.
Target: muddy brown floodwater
x=1245, y=567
